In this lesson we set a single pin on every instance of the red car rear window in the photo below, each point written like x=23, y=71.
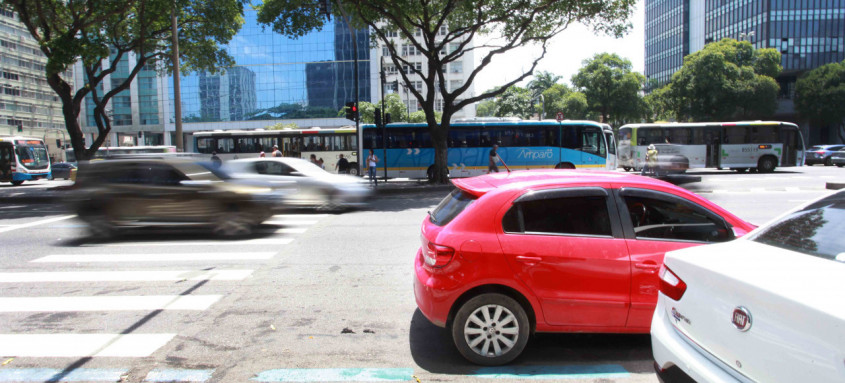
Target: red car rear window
x=450, y=207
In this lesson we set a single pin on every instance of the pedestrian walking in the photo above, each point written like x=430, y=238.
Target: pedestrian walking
x=650, y=166
x=276, y=151
x=216, y=160
x=342, y=165
x=313, y=159
x=262, y=155
x=320, y=163
x=372, y=162
x=494, y=159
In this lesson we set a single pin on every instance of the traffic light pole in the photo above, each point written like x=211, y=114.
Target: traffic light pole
x=383, y=121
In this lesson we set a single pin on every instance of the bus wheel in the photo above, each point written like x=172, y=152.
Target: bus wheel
x=353, y=168
x=625, y=168
x=17, y=183
x=766, y=164
x=564, y=165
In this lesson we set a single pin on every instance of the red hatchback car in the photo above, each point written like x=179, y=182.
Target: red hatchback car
x=509, y=254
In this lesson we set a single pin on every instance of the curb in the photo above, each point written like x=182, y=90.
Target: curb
x=413, y=189
x=835, y=185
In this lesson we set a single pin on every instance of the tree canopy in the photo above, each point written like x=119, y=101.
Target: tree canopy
x=820, y=96
x=103, y=35
x=445, y=32
x=612, y=89
x=726, y=80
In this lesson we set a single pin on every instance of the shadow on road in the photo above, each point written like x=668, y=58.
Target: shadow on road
x=433, y=350
x=159, y=235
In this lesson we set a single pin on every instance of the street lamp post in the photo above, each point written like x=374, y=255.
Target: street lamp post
x=383, y=126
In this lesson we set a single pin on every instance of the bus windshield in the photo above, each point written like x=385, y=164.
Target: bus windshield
x=33, y=156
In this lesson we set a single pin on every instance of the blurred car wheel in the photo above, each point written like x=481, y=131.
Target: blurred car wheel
x=233, y=224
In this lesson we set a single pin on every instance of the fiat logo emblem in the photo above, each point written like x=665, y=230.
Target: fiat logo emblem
x=741, y=319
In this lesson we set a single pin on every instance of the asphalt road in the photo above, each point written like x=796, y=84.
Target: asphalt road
x=315, y=297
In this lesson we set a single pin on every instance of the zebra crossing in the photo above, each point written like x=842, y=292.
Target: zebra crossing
x=50, y=283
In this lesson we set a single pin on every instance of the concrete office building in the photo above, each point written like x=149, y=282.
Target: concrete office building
x=807, y=33
x=456, y=74
x=28, y=106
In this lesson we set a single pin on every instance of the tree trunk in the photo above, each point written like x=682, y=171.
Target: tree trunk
x=441, y=155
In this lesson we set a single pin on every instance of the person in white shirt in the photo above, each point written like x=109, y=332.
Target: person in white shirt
x=372, y=162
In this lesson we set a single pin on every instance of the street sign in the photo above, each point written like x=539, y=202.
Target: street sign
x=559, y=116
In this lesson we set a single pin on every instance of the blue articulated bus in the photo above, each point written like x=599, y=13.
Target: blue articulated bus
x=408, y=151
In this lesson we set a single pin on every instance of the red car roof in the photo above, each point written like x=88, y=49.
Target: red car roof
x=523, y=179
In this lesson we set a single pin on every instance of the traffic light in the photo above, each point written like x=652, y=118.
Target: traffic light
x=387, y=118
x=351, y=111
x=377, y=116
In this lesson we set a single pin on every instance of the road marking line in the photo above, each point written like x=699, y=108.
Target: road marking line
x=291, y=230
x=59, y=375
x=36, y=223
x=178, y=375
x=158, y=257
x=300, y=216
x=108, y=303
x=125, y=276
x=599, y=371
x=290, y=223
x=336, y=375
x=257, y=241
x=82, y=345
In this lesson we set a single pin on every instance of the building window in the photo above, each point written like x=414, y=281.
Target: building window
x=385, y=51
x=10, y=76
x=12, y=92
x=7, y=13
x=456, y=67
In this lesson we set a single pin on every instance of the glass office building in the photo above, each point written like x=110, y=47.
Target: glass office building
x=807, y=33
x=275, y=78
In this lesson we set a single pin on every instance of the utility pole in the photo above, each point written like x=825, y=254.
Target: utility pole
x=177, y=90
x=383, y=120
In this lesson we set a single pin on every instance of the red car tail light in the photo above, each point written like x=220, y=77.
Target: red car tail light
x=670, y=285
x=436, y=255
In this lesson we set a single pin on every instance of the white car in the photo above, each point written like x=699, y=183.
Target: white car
x=312, y=186
x=767, y=307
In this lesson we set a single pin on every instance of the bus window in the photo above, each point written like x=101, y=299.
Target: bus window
x=611, y=143
x=225, y=145
x=501, y=136
x=679, y=136
x=246, y=145
x=570, y=137
x=592, y=142
x=648, y=136
x=313, y=143
x=266, y=144
x=204, y=145
x=736, y=134
x=464, y=137
x=372, y=138
x=624, y=134
x=764, y=134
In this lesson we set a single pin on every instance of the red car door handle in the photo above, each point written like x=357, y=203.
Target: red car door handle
x=647, y=266
x=526, y=259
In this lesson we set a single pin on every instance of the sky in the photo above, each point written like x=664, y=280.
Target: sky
x=566, y=52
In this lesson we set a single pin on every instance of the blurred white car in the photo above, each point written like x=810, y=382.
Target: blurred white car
x=767, y=307
x=313, y=187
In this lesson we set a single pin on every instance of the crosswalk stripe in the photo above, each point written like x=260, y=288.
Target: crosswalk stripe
x=82, y=345
x=257, y=241
x=291, y=230
x=108, y=303
x=154, y=257
x=336, y=375
x=36, y=223
x=161, y=375
x=59, y=375
x=125, y=276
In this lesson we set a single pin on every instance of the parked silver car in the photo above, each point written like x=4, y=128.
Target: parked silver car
x=312, y=187
x=838, y=158
x=822, y=154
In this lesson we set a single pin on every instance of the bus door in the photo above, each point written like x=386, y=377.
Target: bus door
x=291, y=146
x=593, y=148
x=713, y=140
x=789, y=139
x=611, y=150
x=7, y=158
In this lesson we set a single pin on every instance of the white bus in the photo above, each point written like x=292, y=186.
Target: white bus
x=23, y=159
x=324, y=143
x=746, y=145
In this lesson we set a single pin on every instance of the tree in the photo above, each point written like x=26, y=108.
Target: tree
x=419, y=22
x=726, y=80
x=515, y=102
x=542, y=81
x=392, y=104
x=820, y=96
x=611, y=88
x=103, y=34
